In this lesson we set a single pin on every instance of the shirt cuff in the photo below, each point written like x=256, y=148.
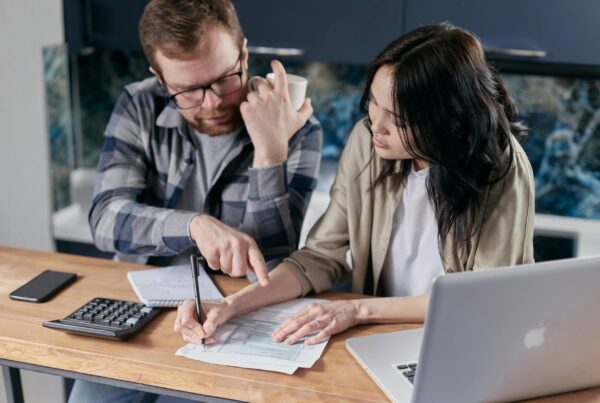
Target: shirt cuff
x=176, y=231
x=268, y=182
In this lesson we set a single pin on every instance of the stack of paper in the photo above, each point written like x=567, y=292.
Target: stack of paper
x=246, y=342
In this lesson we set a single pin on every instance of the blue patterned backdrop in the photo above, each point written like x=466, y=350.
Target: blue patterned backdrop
x=563, y=114
x=564, y=143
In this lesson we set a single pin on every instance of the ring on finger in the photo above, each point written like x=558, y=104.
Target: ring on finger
x=318, y=325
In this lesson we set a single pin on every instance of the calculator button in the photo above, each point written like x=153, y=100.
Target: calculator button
x=132, y=321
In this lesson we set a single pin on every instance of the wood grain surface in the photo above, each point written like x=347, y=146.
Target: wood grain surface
x=149, y=357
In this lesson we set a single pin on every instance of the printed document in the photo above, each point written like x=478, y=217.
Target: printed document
x=246, y=342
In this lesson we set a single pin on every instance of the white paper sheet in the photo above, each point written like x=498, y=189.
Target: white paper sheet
x=246, y=342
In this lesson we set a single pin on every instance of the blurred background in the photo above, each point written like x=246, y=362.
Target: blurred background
x=65, y=62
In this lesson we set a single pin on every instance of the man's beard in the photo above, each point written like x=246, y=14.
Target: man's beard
x=234, y=121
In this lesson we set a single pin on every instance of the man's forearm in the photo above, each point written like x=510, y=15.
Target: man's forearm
x=124, y=226
x=265, y=159
x=279, y=194
x=283, y=286
x=268, y=217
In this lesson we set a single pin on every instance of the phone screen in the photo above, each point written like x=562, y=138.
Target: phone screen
x=44, y=286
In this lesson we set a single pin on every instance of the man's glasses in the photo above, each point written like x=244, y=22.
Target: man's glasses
x=222, y=86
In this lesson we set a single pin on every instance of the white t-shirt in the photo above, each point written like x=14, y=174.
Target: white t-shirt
x=211, y=151
x=413, y=258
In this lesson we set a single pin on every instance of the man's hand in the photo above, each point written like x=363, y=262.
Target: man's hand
x=228, y=249
x=270, y=119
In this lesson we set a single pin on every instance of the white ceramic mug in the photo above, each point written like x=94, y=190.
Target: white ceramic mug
x=296, y=88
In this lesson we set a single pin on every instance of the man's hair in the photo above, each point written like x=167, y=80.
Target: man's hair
x=177, y=26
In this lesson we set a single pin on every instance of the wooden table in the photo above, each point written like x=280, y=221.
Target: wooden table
x=147, y=361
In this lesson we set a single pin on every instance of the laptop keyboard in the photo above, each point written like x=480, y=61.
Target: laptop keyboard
x=408, y=370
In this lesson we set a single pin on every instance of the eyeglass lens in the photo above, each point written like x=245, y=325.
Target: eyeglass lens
x=194, y=97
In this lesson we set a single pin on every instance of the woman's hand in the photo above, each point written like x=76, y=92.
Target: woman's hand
x=215, y=313
x=326, y=319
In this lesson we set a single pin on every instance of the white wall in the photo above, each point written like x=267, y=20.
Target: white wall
x=25, y=203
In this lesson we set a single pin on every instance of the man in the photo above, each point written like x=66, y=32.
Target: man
x=193, y=160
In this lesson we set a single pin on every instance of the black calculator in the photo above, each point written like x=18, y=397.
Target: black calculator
x=104, y=317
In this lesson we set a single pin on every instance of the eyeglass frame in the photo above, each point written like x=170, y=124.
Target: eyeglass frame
x=208, y=86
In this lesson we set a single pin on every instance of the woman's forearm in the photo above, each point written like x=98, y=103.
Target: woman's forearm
x=334, y=317
x=283, y=286
x=392, y=309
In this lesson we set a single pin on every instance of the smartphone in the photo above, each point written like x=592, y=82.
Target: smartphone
x=43, y=286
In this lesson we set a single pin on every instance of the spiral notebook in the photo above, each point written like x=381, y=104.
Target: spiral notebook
x=170, y=286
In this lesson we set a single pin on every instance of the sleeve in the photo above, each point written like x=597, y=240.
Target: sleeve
x=279, y=194
x=119, y=220
x=323, y=260
x=507, y=233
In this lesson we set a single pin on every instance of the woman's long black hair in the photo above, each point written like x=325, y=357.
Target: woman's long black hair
x=456, y=114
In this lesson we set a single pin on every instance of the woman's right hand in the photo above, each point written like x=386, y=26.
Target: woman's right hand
x=216, y=314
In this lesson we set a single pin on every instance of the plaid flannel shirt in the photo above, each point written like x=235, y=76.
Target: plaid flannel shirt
x=146, y=161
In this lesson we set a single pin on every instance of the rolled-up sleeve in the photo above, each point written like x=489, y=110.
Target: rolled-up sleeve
x=323, y=260
x=119, y=219
x=279, y=195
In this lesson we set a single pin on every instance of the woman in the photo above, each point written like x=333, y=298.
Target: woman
x=433, y=181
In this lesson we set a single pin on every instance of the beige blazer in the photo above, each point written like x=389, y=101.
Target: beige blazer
x=361, y=221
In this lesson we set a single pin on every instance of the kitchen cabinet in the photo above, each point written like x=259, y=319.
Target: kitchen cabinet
x=351, y=31
x=354, y=31
x=104, y=24
x=544, y=31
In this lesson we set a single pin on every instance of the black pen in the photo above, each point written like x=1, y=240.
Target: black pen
x=195, y=274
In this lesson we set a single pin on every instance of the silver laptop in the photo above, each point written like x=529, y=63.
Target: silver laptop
x=495, y=335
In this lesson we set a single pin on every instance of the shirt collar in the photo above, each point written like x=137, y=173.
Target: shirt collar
x=421, y=173
x=170, y=117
